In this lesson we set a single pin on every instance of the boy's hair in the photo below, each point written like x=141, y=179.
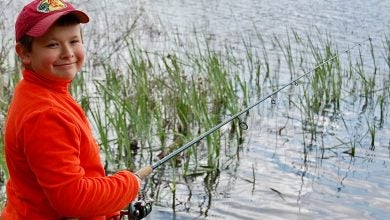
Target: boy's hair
x=69, y=19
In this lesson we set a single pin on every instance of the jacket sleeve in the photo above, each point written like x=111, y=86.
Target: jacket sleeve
x=52, y=148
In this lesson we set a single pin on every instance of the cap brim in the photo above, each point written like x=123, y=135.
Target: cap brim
x=43, y=25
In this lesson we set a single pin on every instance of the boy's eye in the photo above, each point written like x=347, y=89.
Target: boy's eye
x=52, y=45
x=75, y=41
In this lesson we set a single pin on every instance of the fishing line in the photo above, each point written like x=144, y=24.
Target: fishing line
x=242, y=124
x=141, y=207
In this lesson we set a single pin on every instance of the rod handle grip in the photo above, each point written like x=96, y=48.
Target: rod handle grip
x=144, y=172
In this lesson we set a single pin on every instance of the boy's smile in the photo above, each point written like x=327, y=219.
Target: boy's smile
x=58, y=54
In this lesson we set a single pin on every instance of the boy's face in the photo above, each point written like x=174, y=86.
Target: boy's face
x=59, y=54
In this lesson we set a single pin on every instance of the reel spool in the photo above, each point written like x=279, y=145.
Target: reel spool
x=138, y=209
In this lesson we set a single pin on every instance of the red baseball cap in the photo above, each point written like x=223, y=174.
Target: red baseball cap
x=39, y=15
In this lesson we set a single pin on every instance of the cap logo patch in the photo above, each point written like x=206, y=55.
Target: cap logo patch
x=47, y=6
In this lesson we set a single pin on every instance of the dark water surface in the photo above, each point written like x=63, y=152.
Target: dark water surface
x=274, y=175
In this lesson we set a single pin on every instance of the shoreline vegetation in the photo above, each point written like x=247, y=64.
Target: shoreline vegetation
x=144, y=104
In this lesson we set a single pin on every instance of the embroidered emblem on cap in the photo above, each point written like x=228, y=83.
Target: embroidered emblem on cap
x=47, y=6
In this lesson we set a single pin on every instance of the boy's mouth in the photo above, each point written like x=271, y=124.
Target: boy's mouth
x=65, y=64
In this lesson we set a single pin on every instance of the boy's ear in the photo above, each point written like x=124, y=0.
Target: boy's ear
x=23, y=53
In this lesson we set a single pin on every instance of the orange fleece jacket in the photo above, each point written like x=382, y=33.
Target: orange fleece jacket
x=53, y=160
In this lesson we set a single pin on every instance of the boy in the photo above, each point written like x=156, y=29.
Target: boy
x=52, y=158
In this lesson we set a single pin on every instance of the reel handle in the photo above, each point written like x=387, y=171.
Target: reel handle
x=144, y=172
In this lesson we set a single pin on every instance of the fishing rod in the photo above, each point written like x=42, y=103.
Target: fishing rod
x=143, y=172
x=147, y=170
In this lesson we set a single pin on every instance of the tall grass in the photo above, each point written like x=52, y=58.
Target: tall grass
x=168, y=100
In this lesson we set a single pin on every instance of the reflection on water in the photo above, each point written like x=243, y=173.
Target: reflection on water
x=277, y=173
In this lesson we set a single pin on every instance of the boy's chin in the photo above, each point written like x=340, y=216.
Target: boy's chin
x=68, y=77
x=62, y=76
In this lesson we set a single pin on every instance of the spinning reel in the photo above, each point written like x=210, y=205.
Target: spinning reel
x=138, y=209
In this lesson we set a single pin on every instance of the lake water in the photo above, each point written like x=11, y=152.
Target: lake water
x=292, y=181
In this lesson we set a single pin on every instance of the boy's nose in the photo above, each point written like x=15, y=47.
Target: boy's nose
x=67, y=51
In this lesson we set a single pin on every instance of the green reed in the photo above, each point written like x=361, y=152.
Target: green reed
x=286, y=48
x=127, y=109
x=387, y=48
x=326, y=80
x=372, y=132
x=323, y=89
